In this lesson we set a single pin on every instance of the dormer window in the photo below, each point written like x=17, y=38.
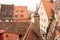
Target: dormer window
x=51, y=1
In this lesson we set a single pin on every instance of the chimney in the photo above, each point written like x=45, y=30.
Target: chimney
x=36, y=24
x=36, y=19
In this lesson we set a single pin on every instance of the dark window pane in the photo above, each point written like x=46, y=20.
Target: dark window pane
x=51, y=1
x=10, y=15
x=16, y=16
x=20, y=36
x=22, y=11
x=21, y=15
x=4, y=16
x=6, y=35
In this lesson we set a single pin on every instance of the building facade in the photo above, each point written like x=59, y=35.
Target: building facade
x=57, y=15
x=54, y=31
x=7, y=12
x=45, y=12
x=14, y=13
x=20, y=14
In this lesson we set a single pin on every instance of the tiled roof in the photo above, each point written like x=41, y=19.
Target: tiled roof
x=19, y=28
x=48, y=6
x=15, y=27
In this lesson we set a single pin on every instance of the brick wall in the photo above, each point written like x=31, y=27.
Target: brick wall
x=20, y=14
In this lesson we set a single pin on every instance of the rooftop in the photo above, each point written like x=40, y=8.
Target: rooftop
x=48, y=6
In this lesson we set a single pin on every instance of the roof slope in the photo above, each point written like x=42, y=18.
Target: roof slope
x=48, y=6
x=14, y=27
x=20, y=28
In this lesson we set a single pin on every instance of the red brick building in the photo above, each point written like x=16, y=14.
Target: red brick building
x=20, y=14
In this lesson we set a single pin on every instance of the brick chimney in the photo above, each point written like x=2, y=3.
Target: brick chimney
x=37, y=27
x=36, y=22
x=36, y=19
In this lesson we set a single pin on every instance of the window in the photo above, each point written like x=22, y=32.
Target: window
x=42, y=13
x=4, y=16
x=17, y=11
x=41, y=25
x=10, y=15
x=20, y=36
x=22, y=11
x=21, y=15
x=6, y=35
x=51, y=1
x=44, y=27
x=16, y=16
x=44, y=20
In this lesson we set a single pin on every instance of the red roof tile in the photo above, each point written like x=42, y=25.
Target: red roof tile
x=48, y=6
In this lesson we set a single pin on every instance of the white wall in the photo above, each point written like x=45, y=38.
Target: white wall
x=43, y=18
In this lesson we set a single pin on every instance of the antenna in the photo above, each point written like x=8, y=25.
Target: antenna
x=37, y=7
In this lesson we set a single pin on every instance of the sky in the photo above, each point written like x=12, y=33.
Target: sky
x=30, y=3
